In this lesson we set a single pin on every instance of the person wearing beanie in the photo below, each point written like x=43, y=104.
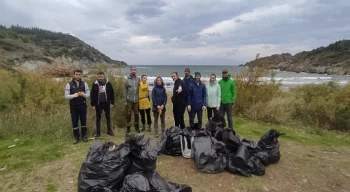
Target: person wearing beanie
x=188, y=79
x=228, y=96
x=196, y=100
x=102, y=99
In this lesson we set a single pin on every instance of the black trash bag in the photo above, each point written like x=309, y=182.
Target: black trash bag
x=269, y=143
x=255, y=166
x=263, y=156
x=252, y=146
x=215, y=123
x=210, y=155
x=104, y=167
x=240, y=159
x=136, y=182
x=158, y=184
x=170, y=142
x=99, y=188
x=228, y=136
x=143, y=153
x=235, y=170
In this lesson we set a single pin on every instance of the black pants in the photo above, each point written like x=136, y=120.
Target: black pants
x=106, y=108
x=199, y=117
x=211, y=112
x=78, y=112
x=228, y=109
x=179, y=111
x=147, y=112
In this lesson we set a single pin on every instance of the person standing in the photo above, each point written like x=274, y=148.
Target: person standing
x=144, y=103
x=76, y=92
x=102, y=99
x=188, y=80
x=213, y=96
x=197, y=100
x=179, y=98
x=228, y=96
x=159, y=100
x=131, y=97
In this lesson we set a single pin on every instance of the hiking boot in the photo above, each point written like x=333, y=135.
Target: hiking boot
x=143, y=128
x=127, y=130
x=110, y=132
x=149, y=128
x=85, y=138
x=76, y=140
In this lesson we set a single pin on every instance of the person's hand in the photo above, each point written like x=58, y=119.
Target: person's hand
x=204, y=107
x=218, y=108
x=158, y=107
x=162, y=107
x=75, y=95
x=110, y=106
x=189, y=108
x=80, y=93
x=179, y=89
x=93, y=108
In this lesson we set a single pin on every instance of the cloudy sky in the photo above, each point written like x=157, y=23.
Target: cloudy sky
x=185, y=32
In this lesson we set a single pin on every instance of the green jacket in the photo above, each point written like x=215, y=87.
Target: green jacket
x=228, y=90
x=213, y=94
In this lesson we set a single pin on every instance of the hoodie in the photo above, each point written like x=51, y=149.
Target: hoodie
x=131, y=89
x=213, y=95
x=102, y=92
x=228, y=90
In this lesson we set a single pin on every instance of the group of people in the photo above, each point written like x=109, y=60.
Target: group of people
x=189, y=93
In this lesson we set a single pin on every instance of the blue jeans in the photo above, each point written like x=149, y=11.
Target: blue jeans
x=227, y=108
x=199, y=117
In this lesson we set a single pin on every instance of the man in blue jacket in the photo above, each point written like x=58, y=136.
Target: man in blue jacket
x=197, y=94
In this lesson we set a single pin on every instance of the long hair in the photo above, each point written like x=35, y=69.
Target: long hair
x=155, y=81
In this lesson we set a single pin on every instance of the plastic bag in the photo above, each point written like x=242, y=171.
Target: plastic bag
x=209, y=154
x=143, y=153
x=255, y=166
x=215, y=123
x=251, y=145
x=170, y=143
x=228, y=136
x=240, y=159
x=98, y=188
x=186, y=146
x=104, y=167
x=235, y=170
x=269, y=144
x=135, y=183
x=158, y=184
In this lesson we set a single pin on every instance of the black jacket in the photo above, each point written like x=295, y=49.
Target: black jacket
x=94, y=93
x=180, y=97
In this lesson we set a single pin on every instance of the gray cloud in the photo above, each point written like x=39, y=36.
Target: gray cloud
x=188, y=32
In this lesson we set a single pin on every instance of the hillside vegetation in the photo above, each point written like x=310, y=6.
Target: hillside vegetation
x=333, y=59
x=36, y=48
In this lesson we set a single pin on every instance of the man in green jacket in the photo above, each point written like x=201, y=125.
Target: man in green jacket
x=228, y=96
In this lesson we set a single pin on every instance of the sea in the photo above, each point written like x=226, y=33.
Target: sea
x=288, y=79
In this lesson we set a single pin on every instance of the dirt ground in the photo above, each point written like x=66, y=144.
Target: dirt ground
x=301, y=168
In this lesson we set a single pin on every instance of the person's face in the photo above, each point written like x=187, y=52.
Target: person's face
x=159, y=81
x=77, y=76
x=212, y=79
x=144, y=79
x=174, y=76
x=198, y=78
x=187, y=73
x=224, y=74
x=100, y=76
x=133, y=71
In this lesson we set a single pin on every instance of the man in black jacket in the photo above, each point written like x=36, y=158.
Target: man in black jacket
x=76, y=92
x=102, y=98
x=179, y=100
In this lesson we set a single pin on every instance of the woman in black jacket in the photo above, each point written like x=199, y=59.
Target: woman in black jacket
x=102, y=98
x=159, y=100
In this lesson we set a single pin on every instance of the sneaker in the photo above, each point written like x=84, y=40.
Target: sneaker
x=76, y=140
x=85, y=138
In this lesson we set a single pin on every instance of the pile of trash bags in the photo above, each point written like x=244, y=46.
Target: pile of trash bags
x=215, y=148
x=128, y=167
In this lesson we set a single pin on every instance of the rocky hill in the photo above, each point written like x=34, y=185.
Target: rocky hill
x=333, y=59
x=34, y=48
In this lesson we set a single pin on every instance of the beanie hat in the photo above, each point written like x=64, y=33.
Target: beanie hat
x=197, y=73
